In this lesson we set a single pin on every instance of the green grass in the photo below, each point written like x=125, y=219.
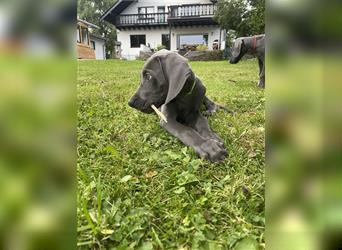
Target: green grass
x=141, y=188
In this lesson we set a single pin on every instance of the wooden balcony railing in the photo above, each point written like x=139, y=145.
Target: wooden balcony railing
x=142, y=19
x=192, y=10
x=175, y=12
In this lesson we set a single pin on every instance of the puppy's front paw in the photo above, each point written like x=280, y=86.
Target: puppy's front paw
x=212, y=150
x=261, y=83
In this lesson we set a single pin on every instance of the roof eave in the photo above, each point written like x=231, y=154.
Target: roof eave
x=124, y=4
x=115, y=10
x=98, y=37
x=89, y=24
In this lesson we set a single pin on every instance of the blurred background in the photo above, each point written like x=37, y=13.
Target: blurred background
x=38, y=124
x=304, y=125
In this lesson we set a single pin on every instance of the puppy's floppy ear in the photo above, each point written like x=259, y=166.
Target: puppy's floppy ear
x=237, y=47
x=154, y=67
x=177, y=72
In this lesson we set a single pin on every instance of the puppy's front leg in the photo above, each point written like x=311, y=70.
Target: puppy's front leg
x=205, y=148
x=202, y=127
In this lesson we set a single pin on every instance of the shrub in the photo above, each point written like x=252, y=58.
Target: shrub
x=160, y=47
x=210, y=55
x=202, y=47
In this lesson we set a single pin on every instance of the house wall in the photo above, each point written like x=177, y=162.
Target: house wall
x=84, y=52
x=154, y=36
x=100, y=49
x=133, y=7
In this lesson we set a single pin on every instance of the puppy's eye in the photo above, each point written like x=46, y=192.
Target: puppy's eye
x=148, y=76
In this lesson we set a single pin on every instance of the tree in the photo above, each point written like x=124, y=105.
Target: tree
x=256, y=19
x=91, y=11
x=244, y=17
x=230, y=14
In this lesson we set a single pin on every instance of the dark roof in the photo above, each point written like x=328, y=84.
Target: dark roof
x=98, y=37
x=115, y=10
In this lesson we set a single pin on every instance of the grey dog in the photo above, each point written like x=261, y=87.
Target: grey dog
x=168, y=82
x=254, y=45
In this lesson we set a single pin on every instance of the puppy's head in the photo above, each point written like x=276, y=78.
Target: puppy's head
x=162, y=78
x=238, y=50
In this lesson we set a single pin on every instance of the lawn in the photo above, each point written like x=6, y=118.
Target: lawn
x=141, y=188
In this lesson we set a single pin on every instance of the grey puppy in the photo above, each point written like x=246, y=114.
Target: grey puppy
x=254, y=45
x=168, y=82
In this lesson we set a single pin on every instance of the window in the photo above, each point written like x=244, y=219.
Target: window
x=144, y=11
x=92, y=43
x=186, y=40
x=205, y=38
x=166, y=40
x=78, y=34
x=84, y=36
x=161, y=14
x=136, y=40
x=161, y=9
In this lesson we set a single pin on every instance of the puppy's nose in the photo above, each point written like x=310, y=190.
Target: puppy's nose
x=132, y=101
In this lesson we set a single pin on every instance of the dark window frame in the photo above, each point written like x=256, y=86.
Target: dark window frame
x=93, y=43
x=138, y=42
x=167, y=45
x=161, y=16
x=159, y=7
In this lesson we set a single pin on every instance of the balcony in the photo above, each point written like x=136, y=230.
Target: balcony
x=177, y=15
x=192, y=14
x=157, y=19
x=192, y=10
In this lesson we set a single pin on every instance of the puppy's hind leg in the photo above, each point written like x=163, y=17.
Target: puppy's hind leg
x=211, y=107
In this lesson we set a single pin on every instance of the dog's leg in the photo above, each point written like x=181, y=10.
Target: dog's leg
x=261, y=83
x=205, y=148
x=260, y=64
x=211, y=107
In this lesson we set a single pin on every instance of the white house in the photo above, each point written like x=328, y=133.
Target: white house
x=171, y=23
x=98, y=44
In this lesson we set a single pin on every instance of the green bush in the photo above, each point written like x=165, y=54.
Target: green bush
x=210, y=55
x=202, y=47
x=160, y=47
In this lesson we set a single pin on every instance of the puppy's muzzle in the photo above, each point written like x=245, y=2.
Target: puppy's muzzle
x=140, y=104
